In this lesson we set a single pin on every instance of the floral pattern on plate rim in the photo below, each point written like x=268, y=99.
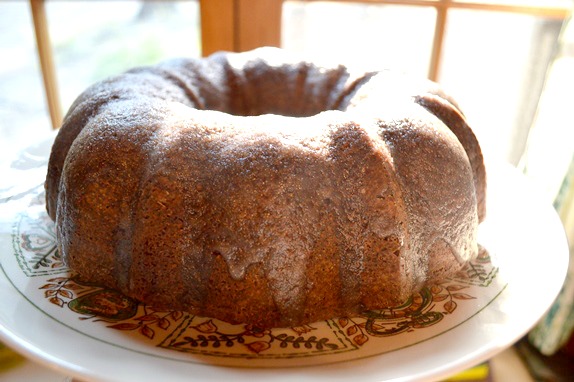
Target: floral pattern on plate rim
x=34, y=243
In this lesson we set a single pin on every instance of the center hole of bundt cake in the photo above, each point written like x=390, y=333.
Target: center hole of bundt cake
x=291, y=91
x=280, y=106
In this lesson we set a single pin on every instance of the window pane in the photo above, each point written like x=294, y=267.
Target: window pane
x=23, y=111
x=94, y=40
x=494, y=64
x=372, y=35
x=525, y=3
x=550, y=149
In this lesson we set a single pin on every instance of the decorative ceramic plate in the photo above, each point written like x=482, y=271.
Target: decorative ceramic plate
x=95, y=333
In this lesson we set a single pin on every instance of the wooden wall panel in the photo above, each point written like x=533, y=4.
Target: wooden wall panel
x=239, y=25
x=217, y=25
x=259, y=23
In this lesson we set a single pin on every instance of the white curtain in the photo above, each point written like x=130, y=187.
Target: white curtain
x=549, y=162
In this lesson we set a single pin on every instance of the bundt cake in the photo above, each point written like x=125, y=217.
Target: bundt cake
x=259, y=188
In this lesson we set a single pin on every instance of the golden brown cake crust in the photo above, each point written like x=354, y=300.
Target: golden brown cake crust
x=259, y=188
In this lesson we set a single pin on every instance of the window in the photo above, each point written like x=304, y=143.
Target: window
x=88, y=41
x=491, y=55
x=22, y=103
